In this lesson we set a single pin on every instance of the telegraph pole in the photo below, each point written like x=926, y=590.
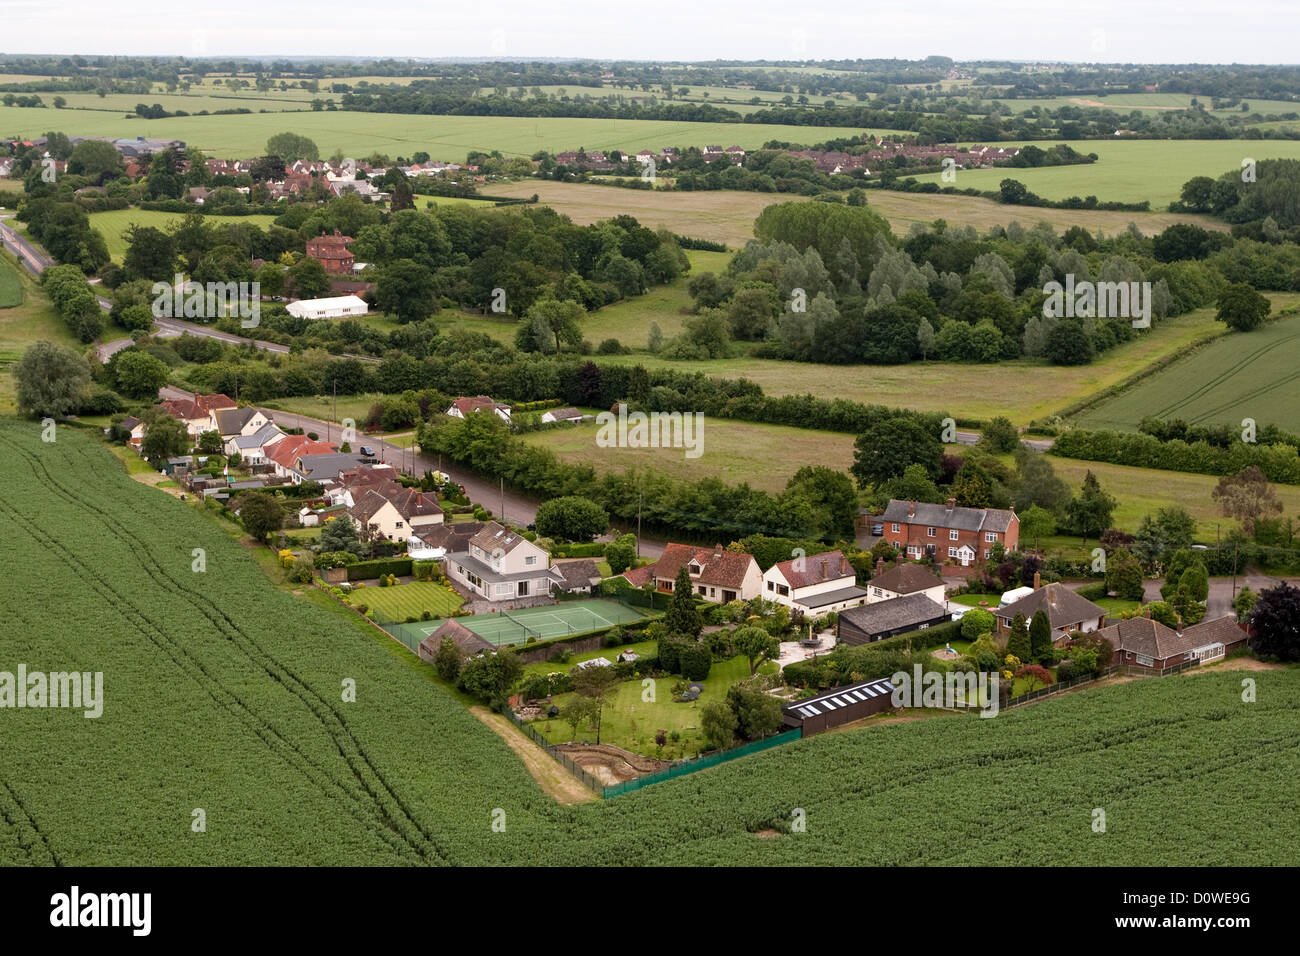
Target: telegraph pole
x=638, y=522
x=503, y=499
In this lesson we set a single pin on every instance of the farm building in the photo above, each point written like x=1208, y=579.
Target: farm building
x=562, y=415
x=335, y=307
x=875, y=622
x=839, y=706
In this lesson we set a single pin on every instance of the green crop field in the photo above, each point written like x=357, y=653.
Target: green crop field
x=397, y=603
x=1250, y=375
x=221, y=693
x=1130, y=170
x=114, y=224
x=11, y=289
x=443, y=137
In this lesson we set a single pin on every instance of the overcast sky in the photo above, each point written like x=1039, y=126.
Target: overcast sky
x=1132, y=31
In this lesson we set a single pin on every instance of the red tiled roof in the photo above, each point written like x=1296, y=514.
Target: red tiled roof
x=815, y=569
x=718, y=567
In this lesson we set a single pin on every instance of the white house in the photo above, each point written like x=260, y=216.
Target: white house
x=463, y=407
x=395, y=513
x=253, y=448
x=229, y=422
x=561, y=415
x=903, y=579
x=817, y=584
x=502, y=565
x=334, y=307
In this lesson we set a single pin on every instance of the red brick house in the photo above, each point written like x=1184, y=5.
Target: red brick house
x=947, y=532
x=1142, y=642
x=716, y=574
x=332, y=253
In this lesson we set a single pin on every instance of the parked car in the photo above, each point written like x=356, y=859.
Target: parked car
x=878, y=528
x=367, y=451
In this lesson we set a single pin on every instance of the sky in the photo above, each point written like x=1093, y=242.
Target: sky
x=1107, y=31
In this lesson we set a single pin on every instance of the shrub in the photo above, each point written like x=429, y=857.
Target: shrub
x=694, y=660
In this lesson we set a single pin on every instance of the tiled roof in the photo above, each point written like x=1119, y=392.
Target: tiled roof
x=461, y=636
x=1064, y=607
x=941, y=516
x=1141, y=635
x=494, y=536
x=815, y=569
x=718, y=567
x=905, y=579
x=895, y=613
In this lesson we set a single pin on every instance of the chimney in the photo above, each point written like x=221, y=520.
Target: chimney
x=880, y=565
x=951, y=503
x=823, y=569
x=898, y=558
x=717, y=549
x=911, y=510
x=1038, y=580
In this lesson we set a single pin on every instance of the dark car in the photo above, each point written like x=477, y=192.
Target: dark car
x=878, y=528
x=367, y=451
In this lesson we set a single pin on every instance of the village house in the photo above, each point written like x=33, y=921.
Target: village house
x=502, y=565
x=817, y=584
x=440, y=540
x=332, y=253
x=1067, y=611
x=561, y=415
x=875, y=622
x=716, y=574
x=1142, y=642
x=948, y=532
x=463, y=407
x=394, y=513
x=287, y=452
x=903, y=579
x=252, y=448
x=230, y=422
x=196, y=413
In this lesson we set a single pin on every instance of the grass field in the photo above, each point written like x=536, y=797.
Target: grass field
x=1130, y=170
x=393, y=604
x=1252, y=375
x=114, y=224
x=728, y=215
x=443, y=137
x=11, y=289
x=764, y=456
x=21, y=325
x=205, y=706
x=631, y=722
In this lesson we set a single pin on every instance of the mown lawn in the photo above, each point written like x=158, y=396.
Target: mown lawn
x=11, y=289
x=397, y=603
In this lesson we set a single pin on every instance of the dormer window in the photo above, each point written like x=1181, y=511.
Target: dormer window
x=693, y=569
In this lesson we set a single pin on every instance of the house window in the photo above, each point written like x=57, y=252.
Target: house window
x=914, y=550
x=783, y=590
x=530, y=560
x=523, y=589
x=771, y=586
x=986, y=552
x=929, y=532
x=990, y=536
x=952, y=534
x=952, y=552
x=397, y=524
x=876, y=592
x=894, y=528
x=1146, y=661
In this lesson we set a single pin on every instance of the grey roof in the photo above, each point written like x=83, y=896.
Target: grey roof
x=563, y=414
x=839, y=697
x=581, y=573
x=941, y=516
x=461, y=636
x=327, y=464
x=892, y=614
x=484, y=571
x=831, y=597
x=1063, y=606
x=231, y=420
x=258, y=438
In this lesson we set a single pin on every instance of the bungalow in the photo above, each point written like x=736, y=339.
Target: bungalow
x=716, y=574
x=463, y=407
x=817, y=584
x=1067, y=611
x=285, y=452
x=1142, y=642
x=469, y=643
x=580, y=575
x=946, y=531
x=875, y=622
x=904, y=579
x=502, y=565
x=323, y=466
x=562, y=415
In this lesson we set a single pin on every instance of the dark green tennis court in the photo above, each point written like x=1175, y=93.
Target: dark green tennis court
x=541, y=623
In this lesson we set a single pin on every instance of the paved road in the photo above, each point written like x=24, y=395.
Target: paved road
x=1219, y=602
x=1037, y=444
x=35, y=260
